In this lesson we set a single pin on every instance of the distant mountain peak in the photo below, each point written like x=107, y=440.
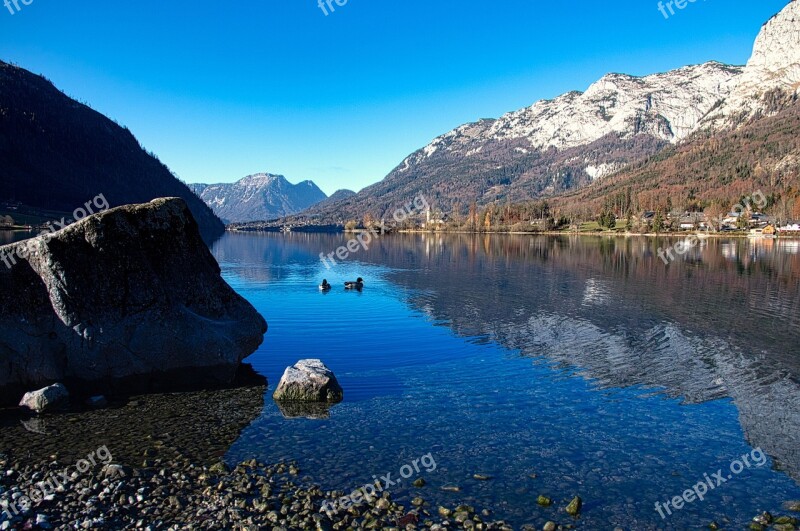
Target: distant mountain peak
x=259, y=197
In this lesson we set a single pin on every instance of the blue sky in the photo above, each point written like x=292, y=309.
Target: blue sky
x=220, y=90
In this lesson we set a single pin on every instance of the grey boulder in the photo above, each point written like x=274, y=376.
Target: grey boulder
x=130, y=297
x=308, y=381
x=52, y=397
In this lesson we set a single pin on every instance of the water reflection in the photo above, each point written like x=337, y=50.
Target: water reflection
x=584, y=360
x=722, y=322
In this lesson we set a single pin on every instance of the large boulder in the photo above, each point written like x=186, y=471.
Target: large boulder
x=308, y=381
x=129, y=294
x=51, y=397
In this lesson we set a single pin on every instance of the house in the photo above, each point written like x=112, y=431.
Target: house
x=791, y=228
x=6, y=221
x=731, y=220
x=692, y=221
x=758, y=220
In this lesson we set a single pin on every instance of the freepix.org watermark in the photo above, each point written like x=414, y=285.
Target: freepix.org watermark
x=14, y=7
x=371, y=491
x=23, y=250
x=757, y=200
x=327, y=6
x=756, y=458
x=47, y=487
x=667, y=9
x=364, y=239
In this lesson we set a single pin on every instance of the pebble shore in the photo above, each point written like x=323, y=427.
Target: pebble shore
x=249, y=497
x=252, y=496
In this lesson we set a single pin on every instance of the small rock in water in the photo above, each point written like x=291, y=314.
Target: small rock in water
x=574, y=507
x=544, y=501
x=763, y=519
x=482, y=477
x=419, y=483
x=51, y=397
x=451, y=488
x=793, y=506
x=309, y=381
x=549, y=526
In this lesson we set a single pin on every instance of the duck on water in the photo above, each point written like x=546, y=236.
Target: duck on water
x=358, y=284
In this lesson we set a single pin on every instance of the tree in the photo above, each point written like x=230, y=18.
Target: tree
x=715, y=213
x=744, y=221
x=658, y=222
x=608, y=219
x=629, y=222
x=473, y=216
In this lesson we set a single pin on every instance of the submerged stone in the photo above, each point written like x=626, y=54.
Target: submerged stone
x=574, y=507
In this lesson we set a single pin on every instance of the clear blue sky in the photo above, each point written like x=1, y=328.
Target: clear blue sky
x=220, y=90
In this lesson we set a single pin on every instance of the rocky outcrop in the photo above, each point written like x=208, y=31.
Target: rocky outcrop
x=129, y=294
x=51, y=397
x=773, y=66
x=308, y=381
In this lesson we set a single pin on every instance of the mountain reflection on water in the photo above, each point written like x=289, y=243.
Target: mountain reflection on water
x=722, y=323
x=585, y=360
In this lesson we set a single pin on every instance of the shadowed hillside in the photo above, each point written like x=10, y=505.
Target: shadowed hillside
x=56, y=154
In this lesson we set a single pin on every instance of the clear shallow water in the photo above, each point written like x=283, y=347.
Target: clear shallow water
x=586, y=362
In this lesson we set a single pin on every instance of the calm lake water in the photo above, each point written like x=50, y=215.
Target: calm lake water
x=583, y=361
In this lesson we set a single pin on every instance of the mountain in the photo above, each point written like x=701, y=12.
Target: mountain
x=258, y=197
x=552, y=146
x=719, y=168
x=748, y=142
x=579, y=139
x=56, y=153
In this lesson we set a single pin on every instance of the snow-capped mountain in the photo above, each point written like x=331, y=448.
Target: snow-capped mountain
x=666, y=106
x=577, y=139
x=258, y=197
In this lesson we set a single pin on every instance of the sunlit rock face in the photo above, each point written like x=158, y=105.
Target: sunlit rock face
x=773, y=66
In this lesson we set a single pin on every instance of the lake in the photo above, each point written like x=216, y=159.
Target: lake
x=556, y=366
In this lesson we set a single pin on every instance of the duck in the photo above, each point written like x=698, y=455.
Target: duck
x=358, y=284
x=325, y=286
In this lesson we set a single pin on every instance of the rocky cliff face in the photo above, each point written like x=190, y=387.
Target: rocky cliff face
x=667, y=106
x=131, y=292
x=773, y=65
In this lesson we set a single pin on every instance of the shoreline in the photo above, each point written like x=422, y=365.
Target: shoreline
x=683, y=234
x=252, y=495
